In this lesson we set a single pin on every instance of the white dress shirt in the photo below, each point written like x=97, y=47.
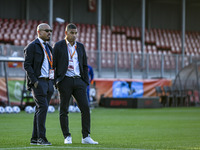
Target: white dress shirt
x=45, y=64
x=73, y=65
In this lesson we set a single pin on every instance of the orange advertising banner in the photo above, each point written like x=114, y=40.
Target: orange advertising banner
x=104, y=87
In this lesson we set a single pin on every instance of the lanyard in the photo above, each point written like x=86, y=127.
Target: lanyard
x=49, y=59
x=71, y=55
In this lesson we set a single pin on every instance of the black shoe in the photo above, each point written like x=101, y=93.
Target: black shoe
x=33, y=141
x=43, y=141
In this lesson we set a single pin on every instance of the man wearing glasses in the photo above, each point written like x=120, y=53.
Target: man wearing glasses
x=39, y=75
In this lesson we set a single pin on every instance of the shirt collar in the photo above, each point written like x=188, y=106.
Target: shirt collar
x=70, y=44
x=41, y=41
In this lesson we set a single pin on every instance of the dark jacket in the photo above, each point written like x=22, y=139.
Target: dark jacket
x=60, y=61
x=34, y=57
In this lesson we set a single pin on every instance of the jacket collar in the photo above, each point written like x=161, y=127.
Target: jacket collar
x=66, y=49
x=37, y=41
x=65, y=45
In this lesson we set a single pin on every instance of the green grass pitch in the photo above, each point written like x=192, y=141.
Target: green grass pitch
x=114, y=129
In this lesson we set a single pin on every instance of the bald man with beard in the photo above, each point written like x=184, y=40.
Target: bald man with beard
x=39, y=76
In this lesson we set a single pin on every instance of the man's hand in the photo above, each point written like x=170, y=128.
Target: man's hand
x=36, y=84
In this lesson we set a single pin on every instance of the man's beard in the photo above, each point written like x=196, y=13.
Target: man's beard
x=48, y=39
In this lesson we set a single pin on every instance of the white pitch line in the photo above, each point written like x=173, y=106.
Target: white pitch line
x=67, y=147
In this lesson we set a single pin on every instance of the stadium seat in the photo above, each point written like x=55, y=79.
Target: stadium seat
x=17, y=42
x=1, y=36
x=133, y=34
x=6, y=37
x=23, y=42
x=128, y=32
x=127, y=63
x=137, y=33
x=103, y=59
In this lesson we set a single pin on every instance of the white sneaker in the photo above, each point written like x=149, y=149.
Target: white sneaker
x=88, y=140
x=68, y=140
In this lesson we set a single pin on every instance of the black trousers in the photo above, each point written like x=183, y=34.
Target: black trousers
x=76, y=87
x=42, y=95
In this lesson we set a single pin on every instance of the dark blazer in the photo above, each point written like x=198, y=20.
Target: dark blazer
x=60, y=61
x=34, y=57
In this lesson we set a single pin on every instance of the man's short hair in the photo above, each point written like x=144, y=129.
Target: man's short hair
x=70, y=26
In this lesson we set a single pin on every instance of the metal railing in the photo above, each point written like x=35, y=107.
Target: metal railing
x=129, y=65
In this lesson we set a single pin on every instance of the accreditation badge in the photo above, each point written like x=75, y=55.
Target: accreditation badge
x=51, y=74
x=71, y=65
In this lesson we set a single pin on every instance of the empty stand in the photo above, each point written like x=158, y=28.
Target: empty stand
x=120, y=39
x=117, y=38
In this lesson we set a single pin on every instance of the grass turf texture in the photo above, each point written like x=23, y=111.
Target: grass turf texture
x=117, y=129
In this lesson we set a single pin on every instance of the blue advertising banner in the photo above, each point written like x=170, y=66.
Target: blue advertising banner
x=137, y=89
x=123, y=89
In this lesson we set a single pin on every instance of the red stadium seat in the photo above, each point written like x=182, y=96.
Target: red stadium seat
x=119, y=38
x=103, y=59
x=17, y=42
x=23, y=42
x=1, y=36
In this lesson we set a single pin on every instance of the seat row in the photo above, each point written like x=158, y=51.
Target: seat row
x=122, y=39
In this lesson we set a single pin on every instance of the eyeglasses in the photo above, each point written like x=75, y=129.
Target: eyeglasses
x=47, y=30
